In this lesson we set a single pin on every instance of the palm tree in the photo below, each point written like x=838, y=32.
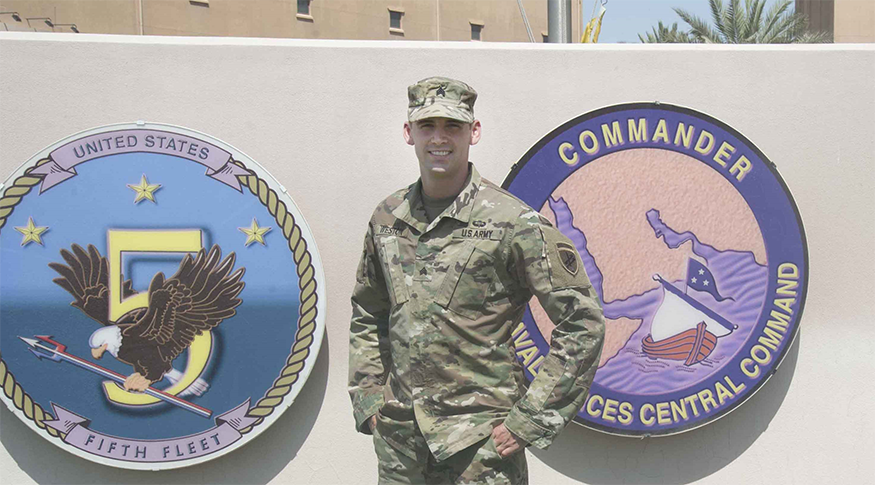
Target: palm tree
x=663, y=35
x=734, y=24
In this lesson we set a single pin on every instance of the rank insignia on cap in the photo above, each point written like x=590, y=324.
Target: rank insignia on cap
x=441, y=97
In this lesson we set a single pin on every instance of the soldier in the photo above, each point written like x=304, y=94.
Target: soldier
x=447, y=268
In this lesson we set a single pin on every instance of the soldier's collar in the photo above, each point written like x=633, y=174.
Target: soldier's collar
x=461, y=208
x=412, y=211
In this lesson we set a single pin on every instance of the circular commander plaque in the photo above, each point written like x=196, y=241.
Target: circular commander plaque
x=695, y=247
x=162, y=296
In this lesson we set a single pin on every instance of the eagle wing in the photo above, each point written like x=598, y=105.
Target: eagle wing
x=86, y=277
x=201, y=294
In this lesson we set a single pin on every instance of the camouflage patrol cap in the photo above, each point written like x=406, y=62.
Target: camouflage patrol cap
x=441, y=97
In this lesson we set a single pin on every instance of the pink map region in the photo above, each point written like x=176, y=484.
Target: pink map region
x=612, y=200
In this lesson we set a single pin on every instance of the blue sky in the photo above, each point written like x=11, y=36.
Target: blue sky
x=625, y=19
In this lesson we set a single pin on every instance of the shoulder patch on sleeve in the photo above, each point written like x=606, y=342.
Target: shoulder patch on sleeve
x=566, y=267
x=568, y=257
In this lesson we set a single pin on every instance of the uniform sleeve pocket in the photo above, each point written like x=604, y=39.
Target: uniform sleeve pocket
x=554, y=375
x=395, y=270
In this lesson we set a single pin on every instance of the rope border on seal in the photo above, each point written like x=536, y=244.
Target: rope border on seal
x=307, y=310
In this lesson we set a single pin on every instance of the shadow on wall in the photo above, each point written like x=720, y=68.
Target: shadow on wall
x=256, y=462
x=594, y=457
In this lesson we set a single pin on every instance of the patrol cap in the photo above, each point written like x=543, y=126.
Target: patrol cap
x=441, y=97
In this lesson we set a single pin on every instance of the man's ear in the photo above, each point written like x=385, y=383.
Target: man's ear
x=408, y=134
x=475, y=132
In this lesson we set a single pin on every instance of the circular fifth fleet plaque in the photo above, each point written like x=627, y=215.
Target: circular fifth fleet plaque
x=162, y=296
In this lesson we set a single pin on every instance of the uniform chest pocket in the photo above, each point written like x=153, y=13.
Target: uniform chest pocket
x=394, y=266
x=465, y=287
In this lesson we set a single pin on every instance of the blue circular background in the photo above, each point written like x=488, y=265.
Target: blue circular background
x=249, y=349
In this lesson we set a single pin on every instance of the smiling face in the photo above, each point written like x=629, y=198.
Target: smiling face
x=441, y=145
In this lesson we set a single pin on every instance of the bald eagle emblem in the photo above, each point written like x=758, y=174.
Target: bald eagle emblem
x=203, y=293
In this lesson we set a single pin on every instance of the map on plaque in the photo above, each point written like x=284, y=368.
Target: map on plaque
x=695, y=247
x=162, y=296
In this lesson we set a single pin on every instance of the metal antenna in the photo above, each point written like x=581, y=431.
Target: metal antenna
x=525, y=20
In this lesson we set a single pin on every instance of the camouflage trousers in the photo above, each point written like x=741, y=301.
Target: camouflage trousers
x=478, y=464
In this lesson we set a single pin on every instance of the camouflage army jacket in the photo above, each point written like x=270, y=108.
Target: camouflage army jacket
x=433, y=310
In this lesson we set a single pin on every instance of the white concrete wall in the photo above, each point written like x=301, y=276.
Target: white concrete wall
x=338, y=107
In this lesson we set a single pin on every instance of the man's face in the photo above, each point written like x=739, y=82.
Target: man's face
x=441, y=144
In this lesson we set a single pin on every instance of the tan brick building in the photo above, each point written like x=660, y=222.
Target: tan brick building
x=847, y=20
x=446, y=20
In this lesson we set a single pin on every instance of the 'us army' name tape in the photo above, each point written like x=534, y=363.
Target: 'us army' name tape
x=494, y=234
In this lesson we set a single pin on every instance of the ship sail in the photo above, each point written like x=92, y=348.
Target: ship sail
x=676, y=315
x=683, y=328
x=680, y=312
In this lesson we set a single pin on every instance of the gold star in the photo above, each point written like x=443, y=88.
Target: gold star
x=145, y=190
x=254, y=233
x=31, y=232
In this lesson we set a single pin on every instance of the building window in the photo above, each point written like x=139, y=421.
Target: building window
x=200, y=3
x=304, y=10
x=395, y=15
x=476, y=30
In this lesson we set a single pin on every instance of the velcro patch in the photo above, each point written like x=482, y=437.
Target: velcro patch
x=470, y=233
x=563, y=260
x=384, y=230
x=568, y=257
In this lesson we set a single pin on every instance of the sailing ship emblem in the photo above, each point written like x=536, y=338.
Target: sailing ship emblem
x=683, y=328
x=677, y=352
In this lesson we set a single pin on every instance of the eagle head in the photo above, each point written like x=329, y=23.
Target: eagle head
x=111, y=336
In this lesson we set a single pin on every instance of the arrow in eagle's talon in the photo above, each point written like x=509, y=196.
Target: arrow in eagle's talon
x=136, y=382
x=203, y=293
x=56, y=351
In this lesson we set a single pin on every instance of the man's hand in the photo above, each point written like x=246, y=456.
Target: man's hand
x=506, y=443
x=372, y=423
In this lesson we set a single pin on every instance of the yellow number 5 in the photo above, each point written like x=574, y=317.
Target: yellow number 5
x=148, y=241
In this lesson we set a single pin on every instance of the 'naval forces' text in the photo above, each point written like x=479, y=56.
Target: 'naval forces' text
x=663, y=413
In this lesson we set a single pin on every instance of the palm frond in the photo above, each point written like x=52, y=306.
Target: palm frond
x=663, y=35
x=816, y=37
x=732, y=15
x=699, y=28
x=741, y=23
x=755, y=24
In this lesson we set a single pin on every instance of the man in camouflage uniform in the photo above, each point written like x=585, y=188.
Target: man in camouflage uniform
x=448, y=266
